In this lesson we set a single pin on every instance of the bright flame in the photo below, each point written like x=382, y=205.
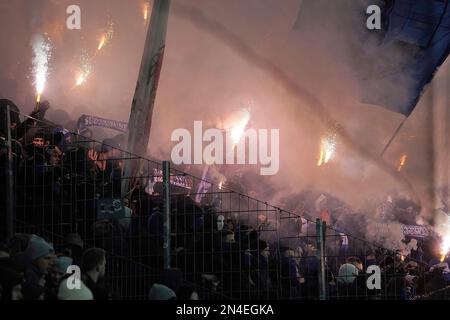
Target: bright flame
x=445, y=246
x=220, y=185
x=327, y=149
x=81, y=79
x=42, y=50
x=403, y=159
x=238, y=128
x=146, y=10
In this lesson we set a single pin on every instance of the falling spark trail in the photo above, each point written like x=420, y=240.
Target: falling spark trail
x=102, y=43
x=106, y=36
x=86, y=69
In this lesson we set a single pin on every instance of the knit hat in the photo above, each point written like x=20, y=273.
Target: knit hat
x=62, y=263
x=38, y=247
x=347, y=273
x=160, y=292
x=64, y=293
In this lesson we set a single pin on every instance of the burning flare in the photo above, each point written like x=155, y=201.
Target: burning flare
x=445, y=246
x=403, y=159
x=327, y=149
x=42, y=50
x=146, y=11
x=238, y=128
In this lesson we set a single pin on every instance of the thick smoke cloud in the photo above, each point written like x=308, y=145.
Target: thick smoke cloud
x=222, y=56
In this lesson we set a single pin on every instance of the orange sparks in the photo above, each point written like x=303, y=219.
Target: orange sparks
x=102, y=43
x=403, y=159
x=327, y=149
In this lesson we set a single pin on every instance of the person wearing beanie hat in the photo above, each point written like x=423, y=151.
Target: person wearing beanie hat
x=348, y=283
x=65, y=293
x=161, y=292
x=347, y=273
x=38, y=248
x=40, y=256
x=61, y=264
x=57, y=271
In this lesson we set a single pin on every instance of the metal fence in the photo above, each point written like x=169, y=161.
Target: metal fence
x=226, y=244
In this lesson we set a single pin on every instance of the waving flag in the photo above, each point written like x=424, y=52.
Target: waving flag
x=416, y=43
x=395, y=64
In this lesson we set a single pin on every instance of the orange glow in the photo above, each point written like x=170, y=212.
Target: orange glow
x=102, y=43
x=403, y=159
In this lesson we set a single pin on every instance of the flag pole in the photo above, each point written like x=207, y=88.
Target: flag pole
x=139, y=125
x=393, y=137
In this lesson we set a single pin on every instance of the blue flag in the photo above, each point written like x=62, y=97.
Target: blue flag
x=395, y=64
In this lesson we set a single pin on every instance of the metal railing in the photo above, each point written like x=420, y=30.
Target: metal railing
x=227, y=244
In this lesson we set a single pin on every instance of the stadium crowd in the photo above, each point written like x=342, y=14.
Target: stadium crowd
x=77, y=238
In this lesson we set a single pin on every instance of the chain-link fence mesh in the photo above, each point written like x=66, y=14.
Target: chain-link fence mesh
x=224, y=244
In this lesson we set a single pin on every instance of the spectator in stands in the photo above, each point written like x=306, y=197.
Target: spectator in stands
x=161, y=292
x=18, y=244
x=187, y=292
x=93, y=269
x=226, y=241
x=172, y=278
x=260, y=270
x=346, y=279
x=65, y=292
x=440, y=277
x=73, y=247
x=40, y=256
x=56, y=273
x=220, y=222
x=291, y=278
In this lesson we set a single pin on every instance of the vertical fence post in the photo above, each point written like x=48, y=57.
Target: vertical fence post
x=9, y=180
x=166, y=200
x=320, y=239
